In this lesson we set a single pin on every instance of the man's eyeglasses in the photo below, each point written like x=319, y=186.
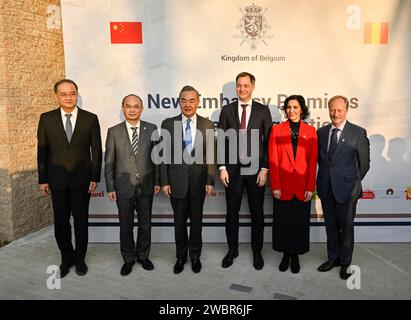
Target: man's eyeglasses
x=65, y=95
x=128, y=107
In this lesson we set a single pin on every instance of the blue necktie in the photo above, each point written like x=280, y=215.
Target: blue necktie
x=187, y=137
x=69, y=128
x=333, y=144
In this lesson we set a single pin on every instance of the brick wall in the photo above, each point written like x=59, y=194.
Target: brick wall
x=31, y=61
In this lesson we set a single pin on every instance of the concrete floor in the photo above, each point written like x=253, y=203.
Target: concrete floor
x=385, y=273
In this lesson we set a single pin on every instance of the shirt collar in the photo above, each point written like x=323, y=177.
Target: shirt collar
x=193, y=118
x=129, y=126
x=341, y=127
x=249, y=102
x=73, y=113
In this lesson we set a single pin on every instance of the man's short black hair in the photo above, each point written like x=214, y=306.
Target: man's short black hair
x=60, y=82
x=189, y=88
x=245, y=74
x=131, y=95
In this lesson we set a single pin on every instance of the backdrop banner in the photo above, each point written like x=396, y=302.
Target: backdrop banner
x=316, y=48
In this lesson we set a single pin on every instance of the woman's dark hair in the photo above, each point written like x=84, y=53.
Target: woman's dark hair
x=301, y=102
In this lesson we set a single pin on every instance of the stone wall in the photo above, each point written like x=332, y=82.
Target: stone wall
x=31, y=61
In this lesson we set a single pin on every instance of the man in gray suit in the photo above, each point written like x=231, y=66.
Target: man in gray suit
x=131, y=179
x=188, y=174
x=344, y=160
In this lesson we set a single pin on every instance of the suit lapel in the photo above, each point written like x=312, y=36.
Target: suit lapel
x=60, y=126
x=251, y=122
x=78, y=125
x=235, y=114
x=302, y=137
x=142, y=137
x=324, y=137
x=285, y=133
x=343, y=137
x=126, y=137
x=201, y=129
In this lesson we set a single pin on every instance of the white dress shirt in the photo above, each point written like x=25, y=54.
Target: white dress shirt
x=193, y=126
x=73, y=117
x=340, y=129
x=130, y=131
x=247, y=111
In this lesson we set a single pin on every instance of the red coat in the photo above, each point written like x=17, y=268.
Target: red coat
x=292, y=176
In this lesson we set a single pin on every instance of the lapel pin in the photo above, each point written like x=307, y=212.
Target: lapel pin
x=342, y=140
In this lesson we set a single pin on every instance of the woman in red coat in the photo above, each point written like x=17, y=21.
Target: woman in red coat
x=292, y=162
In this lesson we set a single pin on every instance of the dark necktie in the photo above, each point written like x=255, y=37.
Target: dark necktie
x=243, y=117
x=134, y=139
x=69, y=128
x=333, y=144
x=188, y=140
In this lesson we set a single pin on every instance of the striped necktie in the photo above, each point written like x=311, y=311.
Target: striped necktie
x=134, y=139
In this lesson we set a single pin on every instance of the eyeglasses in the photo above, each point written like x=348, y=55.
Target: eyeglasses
x=65, y=95
x=128, y=107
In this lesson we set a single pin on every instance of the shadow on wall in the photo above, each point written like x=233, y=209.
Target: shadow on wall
x=24, y=209
x=392, y=171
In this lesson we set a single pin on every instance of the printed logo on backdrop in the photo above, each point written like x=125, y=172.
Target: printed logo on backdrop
x=253, y=26
x=368, y=195
x=253, y=30
x=408, y=193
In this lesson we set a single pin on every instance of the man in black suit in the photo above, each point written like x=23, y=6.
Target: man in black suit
x=69, y=163
x=188, y=174
x=131, y=179
x=343, y=160
x=249, y=121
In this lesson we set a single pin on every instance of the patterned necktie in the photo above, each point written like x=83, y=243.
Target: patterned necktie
x=243, y=117
x=134, y=139
x=69, y=128
x=333, y=144
x=187, y=137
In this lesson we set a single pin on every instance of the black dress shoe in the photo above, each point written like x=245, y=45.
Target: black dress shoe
x=343, y=273
x=196, y=265
x=285, y=262
x=229, y=257
x=179, y=266
x=258, y=261
x=65, y=269
x=295, y=263
x=81, y=268
x=146, y=263
x=126, y=268
x=328, y=265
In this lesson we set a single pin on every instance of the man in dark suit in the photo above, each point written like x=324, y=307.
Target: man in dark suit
x=188, y=174
x=69, y=163
x=343, y=159
x=131, y=179
x=250, y=120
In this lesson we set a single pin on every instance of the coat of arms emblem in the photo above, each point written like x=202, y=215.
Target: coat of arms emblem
x=253, y=26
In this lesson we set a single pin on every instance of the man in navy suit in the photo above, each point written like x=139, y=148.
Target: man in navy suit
x=344, y=160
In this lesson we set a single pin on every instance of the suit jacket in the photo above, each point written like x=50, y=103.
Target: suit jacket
x=184, y=177
x=124, y=169
x=71, y=164
x=292, y=176
x=348, y=166
x=260, y=118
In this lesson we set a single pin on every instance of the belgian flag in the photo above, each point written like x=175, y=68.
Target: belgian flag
x=376, y=33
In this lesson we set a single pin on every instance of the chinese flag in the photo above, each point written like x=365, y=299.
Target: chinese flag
x=126, y=32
